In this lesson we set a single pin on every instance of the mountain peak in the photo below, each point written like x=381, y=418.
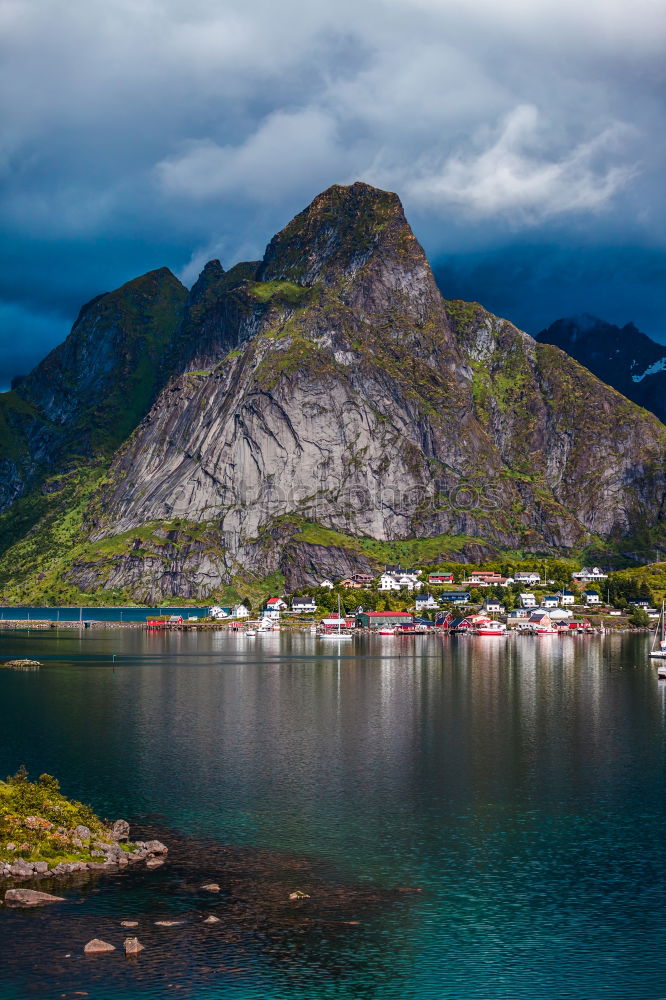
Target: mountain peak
x=210, y=276
x=338, y=233
x=624, y=357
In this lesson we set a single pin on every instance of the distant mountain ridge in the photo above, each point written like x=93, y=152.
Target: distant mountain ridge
x=622, y=357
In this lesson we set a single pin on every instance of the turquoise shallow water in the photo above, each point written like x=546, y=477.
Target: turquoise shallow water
x=518, y=783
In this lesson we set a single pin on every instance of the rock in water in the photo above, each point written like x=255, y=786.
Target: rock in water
x=211, y=887
x=129, y=923
x=132, y=946
x=98, y=947
x=155, y=847
x=30, y=897
x=212, y=920
x=22, y=664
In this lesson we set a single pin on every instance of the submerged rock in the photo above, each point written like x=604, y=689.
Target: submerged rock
x=30, y=897
x=22, y=664
x=211, y=887
x=98, y=947
x=129, y=923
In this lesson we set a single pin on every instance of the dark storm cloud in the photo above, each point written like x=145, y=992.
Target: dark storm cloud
x=145, y=132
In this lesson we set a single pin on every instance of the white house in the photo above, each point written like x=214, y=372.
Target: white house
x=327, y=583
x=531, y=578
x=239, y=611
x=398, y=581
x=217, y=612
x=527, y=601
x=566, y=597
x=589, y=574
x=274, y=605
x=303, y=604
x=414, y=574
x=550, y=601
x=560, y=614
x=424, y=601
x=591, y=597
x=493, y=607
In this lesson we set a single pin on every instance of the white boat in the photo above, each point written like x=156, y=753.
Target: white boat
x=249, y=632
x=658, y=652
x=492, y=628
x=387, y=630
x=339, y=634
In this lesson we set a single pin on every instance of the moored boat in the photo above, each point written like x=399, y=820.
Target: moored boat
x=339, y=634
x=492, y=628
x=658, y=651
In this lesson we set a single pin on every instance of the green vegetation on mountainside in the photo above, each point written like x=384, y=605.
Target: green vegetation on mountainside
x=41, y=536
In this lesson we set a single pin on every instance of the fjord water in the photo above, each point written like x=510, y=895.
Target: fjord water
x=518, y=783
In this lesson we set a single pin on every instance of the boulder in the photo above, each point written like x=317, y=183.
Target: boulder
x=132, y=946
x=98, y=947
x=37, y=823
x=129, y=923
x=155, y=847
x=30, y=897
x=41, y=867
x=169, y=923
x=21, y=869
x=120, y=830
x=154, y=862
x=211, y=887
x=212, y=920
x=82, y=832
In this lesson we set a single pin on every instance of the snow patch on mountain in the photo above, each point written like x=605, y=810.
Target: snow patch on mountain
x=658, y=366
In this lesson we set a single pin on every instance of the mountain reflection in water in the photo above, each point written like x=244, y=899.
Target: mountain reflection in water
x=518, y=783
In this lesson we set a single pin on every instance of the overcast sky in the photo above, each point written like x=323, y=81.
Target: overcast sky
x=525, y=138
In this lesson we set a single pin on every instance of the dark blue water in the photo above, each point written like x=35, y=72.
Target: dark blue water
x=43, y=614
x=518, y=783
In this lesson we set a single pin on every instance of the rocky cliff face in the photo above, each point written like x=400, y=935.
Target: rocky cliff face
x=621, y=356
x=329, y=403
x=84, y=399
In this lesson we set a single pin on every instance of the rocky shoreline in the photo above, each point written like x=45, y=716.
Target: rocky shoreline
x=105, y=856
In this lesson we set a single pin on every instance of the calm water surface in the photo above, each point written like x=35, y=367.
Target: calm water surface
x=518, y=783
